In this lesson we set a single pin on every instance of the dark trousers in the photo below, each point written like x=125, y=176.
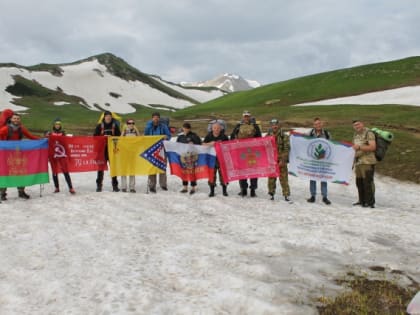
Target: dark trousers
x=67, y=178
x=100, y=180
x=243, y=183
x=193, y=183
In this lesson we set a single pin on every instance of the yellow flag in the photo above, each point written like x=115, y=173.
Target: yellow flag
x=143, y=155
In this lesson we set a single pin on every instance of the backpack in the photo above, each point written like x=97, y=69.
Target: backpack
x=221, y=122
x=326, y=132
x=165, y=121
x=383, y=139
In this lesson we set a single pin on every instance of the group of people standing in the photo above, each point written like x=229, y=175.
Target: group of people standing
x=364, y=144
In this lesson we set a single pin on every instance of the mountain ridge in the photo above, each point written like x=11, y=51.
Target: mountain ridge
x=124, y=80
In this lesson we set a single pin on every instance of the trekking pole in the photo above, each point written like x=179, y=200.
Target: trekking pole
x=41, y=189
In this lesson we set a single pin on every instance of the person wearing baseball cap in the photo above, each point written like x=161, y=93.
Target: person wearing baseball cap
x=247, y=129
x=283, y=148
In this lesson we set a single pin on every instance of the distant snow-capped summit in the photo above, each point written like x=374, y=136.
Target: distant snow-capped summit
x=227, y=82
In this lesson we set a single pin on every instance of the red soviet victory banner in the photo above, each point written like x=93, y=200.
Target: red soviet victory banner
x=77, y=153
x=247, y=158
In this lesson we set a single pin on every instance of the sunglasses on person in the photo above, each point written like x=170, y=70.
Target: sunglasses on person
x=130, y=123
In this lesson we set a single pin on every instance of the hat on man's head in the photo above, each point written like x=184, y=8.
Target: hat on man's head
x=246, y=113
x=355, y=120
x=156, y=114
x=274, y=121
x=57, y=121
x=187, y=125
x=107, y=112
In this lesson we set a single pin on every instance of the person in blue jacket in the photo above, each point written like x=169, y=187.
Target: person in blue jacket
x=155, y=127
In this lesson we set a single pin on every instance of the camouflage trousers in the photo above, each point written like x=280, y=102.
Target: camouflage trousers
x=365, y=183
x=284, y=181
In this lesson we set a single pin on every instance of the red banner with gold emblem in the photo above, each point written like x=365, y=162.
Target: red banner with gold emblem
x=248, y=158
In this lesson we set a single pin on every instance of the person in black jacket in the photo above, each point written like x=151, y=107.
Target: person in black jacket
x=216, y=134
x=247, y=128
x=108, y=127
x=188, y=136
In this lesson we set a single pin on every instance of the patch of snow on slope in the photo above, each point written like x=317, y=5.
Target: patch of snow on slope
x=91, y=81
x=402, y=96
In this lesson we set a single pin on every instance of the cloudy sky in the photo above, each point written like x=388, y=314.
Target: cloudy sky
x=188, y=40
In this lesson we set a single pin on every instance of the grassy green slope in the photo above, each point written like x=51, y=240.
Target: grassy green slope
x=339, y=83
x=274, y=100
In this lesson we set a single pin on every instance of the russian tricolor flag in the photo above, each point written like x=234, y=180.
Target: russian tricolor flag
x=191, y=162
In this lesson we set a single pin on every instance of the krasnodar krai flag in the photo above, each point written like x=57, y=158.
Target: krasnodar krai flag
x=320, y=159
x=191, y=162
x=248, y=158
x=142, y=155
x=82, y=153
x=23, y=163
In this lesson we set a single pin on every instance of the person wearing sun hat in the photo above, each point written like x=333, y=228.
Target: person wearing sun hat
x=129, y=130
x=59, y=161
x=247, y=128
x=283, y=148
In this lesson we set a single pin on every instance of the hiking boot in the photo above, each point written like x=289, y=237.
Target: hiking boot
x=115, y=189
x=132, y=190
x=184, y=190
x=211, y=194
x=152, y=190
x=272, y=195
x=287, y=199
x=326, y=201
x=366, y=205
x=358, y=203
x=224, y=190
x=311, y=200
x=124, y=190
x=243, y=192
x=192, y=191
x=253, y=194
x=99, y=188
x=56, y=190
x=4, y=196
x=22, y=194
x=72, y=191
x=164, y=188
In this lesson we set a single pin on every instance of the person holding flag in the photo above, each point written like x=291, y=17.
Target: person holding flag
x=188, y=136
x=59, y=160
x=108, y=126
x=283, y=148
x=247, y=128
x=14, y=130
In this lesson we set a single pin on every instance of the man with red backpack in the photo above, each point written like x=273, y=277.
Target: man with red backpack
x=14, y=130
